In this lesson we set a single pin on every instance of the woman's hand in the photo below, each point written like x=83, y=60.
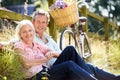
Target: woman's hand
x=55, y=54
x=49, y=55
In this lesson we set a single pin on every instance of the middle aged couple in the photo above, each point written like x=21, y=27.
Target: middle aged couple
x=36, y=49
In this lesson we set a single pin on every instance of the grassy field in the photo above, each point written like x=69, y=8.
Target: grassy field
x=102, y=52
x=106, y=54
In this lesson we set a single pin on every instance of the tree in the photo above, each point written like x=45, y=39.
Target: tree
x=105, y=8
x=111, y=7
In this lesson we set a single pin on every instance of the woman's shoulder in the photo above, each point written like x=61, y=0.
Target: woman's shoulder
x=18, y=43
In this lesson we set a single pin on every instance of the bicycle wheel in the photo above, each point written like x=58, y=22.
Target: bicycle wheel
x=67, y=38
x=87, y=55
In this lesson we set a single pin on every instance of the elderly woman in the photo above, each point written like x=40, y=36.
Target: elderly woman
x=68, y=66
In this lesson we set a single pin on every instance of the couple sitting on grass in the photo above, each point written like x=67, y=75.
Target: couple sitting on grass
x=37, y=49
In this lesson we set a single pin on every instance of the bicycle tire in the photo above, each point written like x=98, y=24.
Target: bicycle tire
x=87, y=50
x=67, y=38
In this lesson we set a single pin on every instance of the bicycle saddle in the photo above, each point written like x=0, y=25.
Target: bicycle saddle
x=82, y=20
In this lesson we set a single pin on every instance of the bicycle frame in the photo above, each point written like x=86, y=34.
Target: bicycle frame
x=80, y=38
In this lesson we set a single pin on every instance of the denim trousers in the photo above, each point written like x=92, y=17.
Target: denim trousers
x=70, y=66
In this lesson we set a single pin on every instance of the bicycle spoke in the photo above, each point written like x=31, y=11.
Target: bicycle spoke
x=66, y=39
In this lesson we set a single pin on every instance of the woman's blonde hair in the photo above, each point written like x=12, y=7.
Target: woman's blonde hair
x=20, y=25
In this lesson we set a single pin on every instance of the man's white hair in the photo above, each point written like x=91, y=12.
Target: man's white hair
x=42, y=12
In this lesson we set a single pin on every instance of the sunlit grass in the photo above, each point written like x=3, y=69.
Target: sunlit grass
x=106, y=54
x=6, y=34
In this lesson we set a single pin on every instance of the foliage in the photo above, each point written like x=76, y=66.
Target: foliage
x=41, y=4
x=106, y=8
x=95, y=26
x=112, y=6
x=10, y=65
x=7, y=30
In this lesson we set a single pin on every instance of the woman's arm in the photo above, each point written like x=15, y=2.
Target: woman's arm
x=36, y=62
x=28, y=62
x=47, y=51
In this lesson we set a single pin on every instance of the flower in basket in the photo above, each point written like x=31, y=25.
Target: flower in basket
x=60, y=4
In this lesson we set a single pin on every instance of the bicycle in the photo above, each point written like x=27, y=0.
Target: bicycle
x=64, y=16
x=75, y=36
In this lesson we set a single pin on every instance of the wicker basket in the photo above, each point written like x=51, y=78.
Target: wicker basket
x=66, y=16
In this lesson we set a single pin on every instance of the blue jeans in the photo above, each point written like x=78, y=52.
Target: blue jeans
x=70, y=66
x=101, y=74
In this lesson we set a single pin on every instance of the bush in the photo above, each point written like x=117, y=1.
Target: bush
x=10, y=65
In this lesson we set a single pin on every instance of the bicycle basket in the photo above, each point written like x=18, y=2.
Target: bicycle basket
x=65, y=16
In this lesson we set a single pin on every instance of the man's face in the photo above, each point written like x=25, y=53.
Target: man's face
x=40, y=23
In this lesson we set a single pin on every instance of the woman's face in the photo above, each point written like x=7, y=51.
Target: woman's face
x=40, y=23
x=26, y=33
